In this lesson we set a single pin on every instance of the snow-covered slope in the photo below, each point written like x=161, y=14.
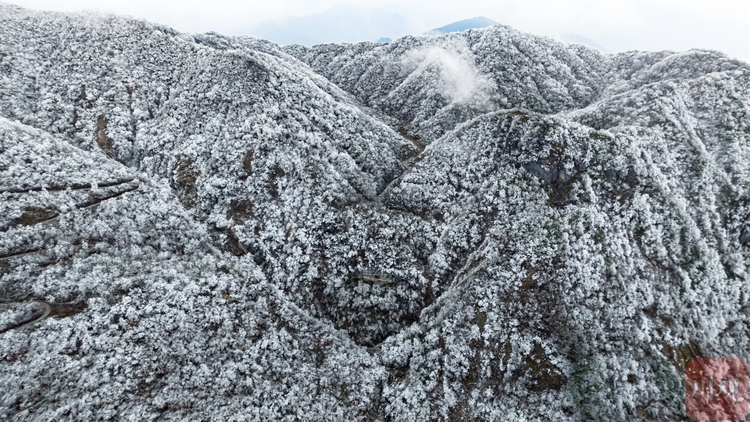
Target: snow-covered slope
x=147, y=318
x=254, y=143
x=580, y=259
x=220, y=232
x=430, y=84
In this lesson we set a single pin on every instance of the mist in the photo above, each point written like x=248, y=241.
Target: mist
x=461, y=80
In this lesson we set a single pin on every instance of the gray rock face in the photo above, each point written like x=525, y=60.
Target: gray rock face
x=479, y=226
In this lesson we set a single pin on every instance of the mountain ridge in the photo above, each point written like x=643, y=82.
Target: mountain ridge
x=341, y=23
x=361, y=232
x=462, y=25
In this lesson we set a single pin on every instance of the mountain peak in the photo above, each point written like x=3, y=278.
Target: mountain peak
x=463, y=25
x=341, y=23
x=477, y=226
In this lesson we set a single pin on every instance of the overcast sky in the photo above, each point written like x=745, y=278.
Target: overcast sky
x=615, y=24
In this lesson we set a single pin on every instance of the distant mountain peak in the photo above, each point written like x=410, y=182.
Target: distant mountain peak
x=463, y=25
x=455, y=227
x=341, y=23
x=580, y=39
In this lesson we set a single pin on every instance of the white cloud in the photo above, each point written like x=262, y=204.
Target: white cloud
x=460, y=78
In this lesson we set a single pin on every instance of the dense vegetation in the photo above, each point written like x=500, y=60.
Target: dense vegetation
x=485, y=225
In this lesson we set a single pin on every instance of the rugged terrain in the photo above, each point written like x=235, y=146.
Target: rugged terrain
x=486, y=225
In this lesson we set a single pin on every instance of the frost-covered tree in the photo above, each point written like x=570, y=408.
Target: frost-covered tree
x=486, y=225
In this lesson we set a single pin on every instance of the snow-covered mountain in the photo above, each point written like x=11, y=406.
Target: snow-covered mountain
x=462, y=25
x=430, y=84
x=569, y=38
x=485, y=225
x=341, y=23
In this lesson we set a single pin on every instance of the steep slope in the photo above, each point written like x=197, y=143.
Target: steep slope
x=585, y=259
x=430, y=84
x=575, y=229
x=147, y=320
x=571, y=256
x=135, y=89
x=257, y=145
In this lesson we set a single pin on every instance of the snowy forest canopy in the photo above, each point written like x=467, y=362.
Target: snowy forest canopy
x=485, y=225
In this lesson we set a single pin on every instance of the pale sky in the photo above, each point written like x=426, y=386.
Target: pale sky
x=617, y=25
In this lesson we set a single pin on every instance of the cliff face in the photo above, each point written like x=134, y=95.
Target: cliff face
x=478, y=226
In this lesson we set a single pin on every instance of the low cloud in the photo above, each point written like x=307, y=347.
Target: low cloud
x=459, y=77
